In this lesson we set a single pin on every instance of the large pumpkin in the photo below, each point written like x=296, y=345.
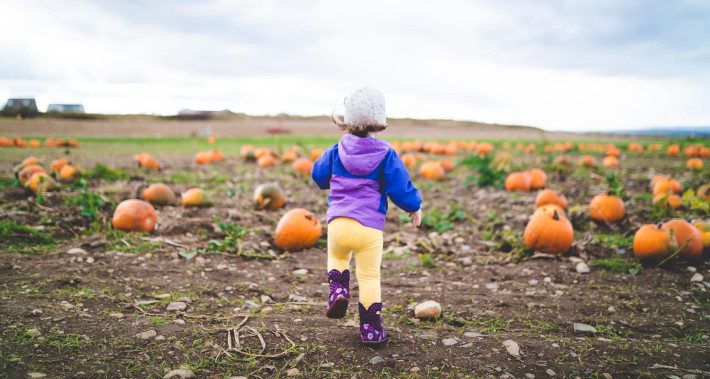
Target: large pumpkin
x=26, y=173
x=431, y=171
x=550, y=196
x=549, y=233
x=216, y=155
x=159, y=194
x=704, y=228
x=194, y=197
x=538, y=178
x=303, y=166
x=652, y=243
x=688, y=237
x=269, y=196
x=607, y=208
x=550, y=208
x=289, y=156
x=517, y=182
x=40, y=182
x=134, y=215
x=297, y=229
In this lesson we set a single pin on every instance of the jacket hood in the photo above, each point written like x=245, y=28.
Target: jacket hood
x=361, y=156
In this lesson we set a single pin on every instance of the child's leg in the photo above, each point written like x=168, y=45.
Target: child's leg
x=338, y=251
x=339, y=248
x=368, y=259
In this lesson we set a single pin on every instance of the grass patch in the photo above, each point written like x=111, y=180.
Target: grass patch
x=83, y=293
x=617, y=265
x=103, y=172
x=615, y=241
x=24, y=239
x=129, y=242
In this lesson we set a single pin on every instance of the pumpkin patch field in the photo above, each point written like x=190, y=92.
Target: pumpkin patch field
x=148, y=257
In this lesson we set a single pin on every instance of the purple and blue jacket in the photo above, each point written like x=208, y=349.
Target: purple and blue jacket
x=362, y=173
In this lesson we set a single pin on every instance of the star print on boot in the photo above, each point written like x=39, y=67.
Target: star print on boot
x=339, y=293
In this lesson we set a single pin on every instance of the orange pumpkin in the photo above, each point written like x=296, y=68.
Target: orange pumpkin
x=538, y=178
x=247, y=153
x=587, y=161
x=203, y=157
x=298, y=229
x=34, y=143
x=49, y=142
x=652, y=243
x=289, y=156
x=57, y=164
x=704, y=191
x=484, y=148
x=216, y=155
x=432, y=171
x=40, y=182
x=517, y=182
x=694, y=163
x=550, y=208
x=667, y=199
x=69, y=173
x=194, y=197
x=607, y=208
x=447, y=164
x=27, y=172
x=692, y=151
x=27, y=162
x=266, y=161
x=409, y=160
x=269, y=196
x=134, y=215
x=610, y=161
x=316, y=153
x=549, y=196
x=158, y=194
x=665, y=185
x=563, y=160
x=704, y=152
x=211, y=140
x=549, y=233
x=147, y=161
x=613, y=151
x=303, y=166
x=673, y=150
x=688, y=237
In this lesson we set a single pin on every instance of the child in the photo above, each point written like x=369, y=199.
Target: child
x=362, y=172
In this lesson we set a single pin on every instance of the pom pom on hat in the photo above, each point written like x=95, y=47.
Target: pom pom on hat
x=365, y=106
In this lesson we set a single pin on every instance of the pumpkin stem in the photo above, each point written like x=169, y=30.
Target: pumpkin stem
x=556, y=216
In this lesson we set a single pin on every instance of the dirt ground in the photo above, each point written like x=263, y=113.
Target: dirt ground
x=101, y=311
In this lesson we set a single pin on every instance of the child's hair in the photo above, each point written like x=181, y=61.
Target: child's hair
x=360, y=130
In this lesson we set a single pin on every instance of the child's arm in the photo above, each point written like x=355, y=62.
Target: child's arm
x=323, y=170
x=399, y=187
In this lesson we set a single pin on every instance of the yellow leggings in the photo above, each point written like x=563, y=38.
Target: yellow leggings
x=346, y=235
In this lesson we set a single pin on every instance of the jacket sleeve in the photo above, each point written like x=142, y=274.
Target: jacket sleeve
x=397, y=184
x=323, y=169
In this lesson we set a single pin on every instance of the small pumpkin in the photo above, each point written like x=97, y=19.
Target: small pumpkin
x=316, y=153
x=134, y=215
x=538, y=178
x=668, y=199
x=704, y=228
x=666, y=185
x=247, y=153
x=549, y=233
x=57, y=165
x=431, y=171
x=269, y=196
x=673, y=150
x=303, y=166
x=40, y=182
x=194, y=197
x=409, y=160
x=447, y=164
x=652, y=243
x=694, y=163
x=607, y=208
x=289, y=156
x=266, y=161
x=69, y=173
x=550, y=196
x=587, y=161
x=298, y=229
x=211, y=140
x=610, y=161
x=688, y=237
x=562, y=161
x=216, y=155
x=158, y=194
x=147, y=161
x=203, y=158
x=517, y=182
x=26, y=173
x=704, y=191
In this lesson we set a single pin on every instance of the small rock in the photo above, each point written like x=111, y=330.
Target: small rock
x=427, y=309
x=692, y=269
x=265, y=299
x=36, y=312
x=300, y=272
x=449, y=341
x=533, y=282
x=293, y=372
x=179, y=321
x=36, y=375
x=696, y=278
x=473, y=334
x=146, y=335
x=163, y=296
x=66, y=305
x=415, y=369
x=251, y=305
x=580, y=328
x=160, y=338
x=185, y=299
x=466, y=261
x=689, y=376
x=550, y=372
x=611, y=309
x=493, y=286
x=76, y=251
x=547, y=279
x=582, y=268
x=175, y=306
x=34, y=332
x=90, y=260
x=512, y=348
x=376, y=360
x=529, y=376
x=180, y=373
x=297, y=298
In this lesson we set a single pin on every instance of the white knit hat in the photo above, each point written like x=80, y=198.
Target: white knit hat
x=365, y=106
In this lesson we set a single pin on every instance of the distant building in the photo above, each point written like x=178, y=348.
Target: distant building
x=24, y=107
x=65, y=108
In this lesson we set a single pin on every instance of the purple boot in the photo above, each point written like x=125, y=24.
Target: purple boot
x=371, y=330
x=339, y=293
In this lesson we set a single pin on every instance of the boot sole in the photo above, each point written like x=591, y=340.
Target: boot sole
x=338, y=308
x=380, y=342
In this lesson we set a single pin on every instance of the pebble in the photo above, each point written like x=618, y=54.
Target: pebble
x=611, y=309
x=492, y=286
x=160, y=338
x=512, y=348
x=427, y=309
x=185, y=299
x=533, y=282
x=293, y=372
x=36, y=312
x=146, y=335
x=297, y=298
x=76, y=251
x=175, y=306
x=34, y=332
x=415, y=369
x=266, y=299
x=580, y=328
x=696, y=278
x=376, y=360
x=300, y=272
x=582, y=268
x=180, y=373
x=179, y=321
x=529, y=376
x=550, y=372
x=90, y=260
x=251, y=305
x=163, y=296
x=473, y=334
x=466, y=261
x=66, y=305
x=547, y=279
x=449, y=341
x=692, y=269
x=36, y=375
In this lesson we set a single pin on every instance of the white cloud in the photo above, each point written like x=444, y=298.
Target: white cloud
x=534, y=63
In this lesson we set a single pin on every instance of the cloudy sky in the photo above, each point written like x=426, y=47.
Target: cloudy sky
x=560, y=65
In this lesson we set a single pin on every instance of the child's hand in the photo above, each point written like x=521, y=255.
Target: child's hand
x=416, y=217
